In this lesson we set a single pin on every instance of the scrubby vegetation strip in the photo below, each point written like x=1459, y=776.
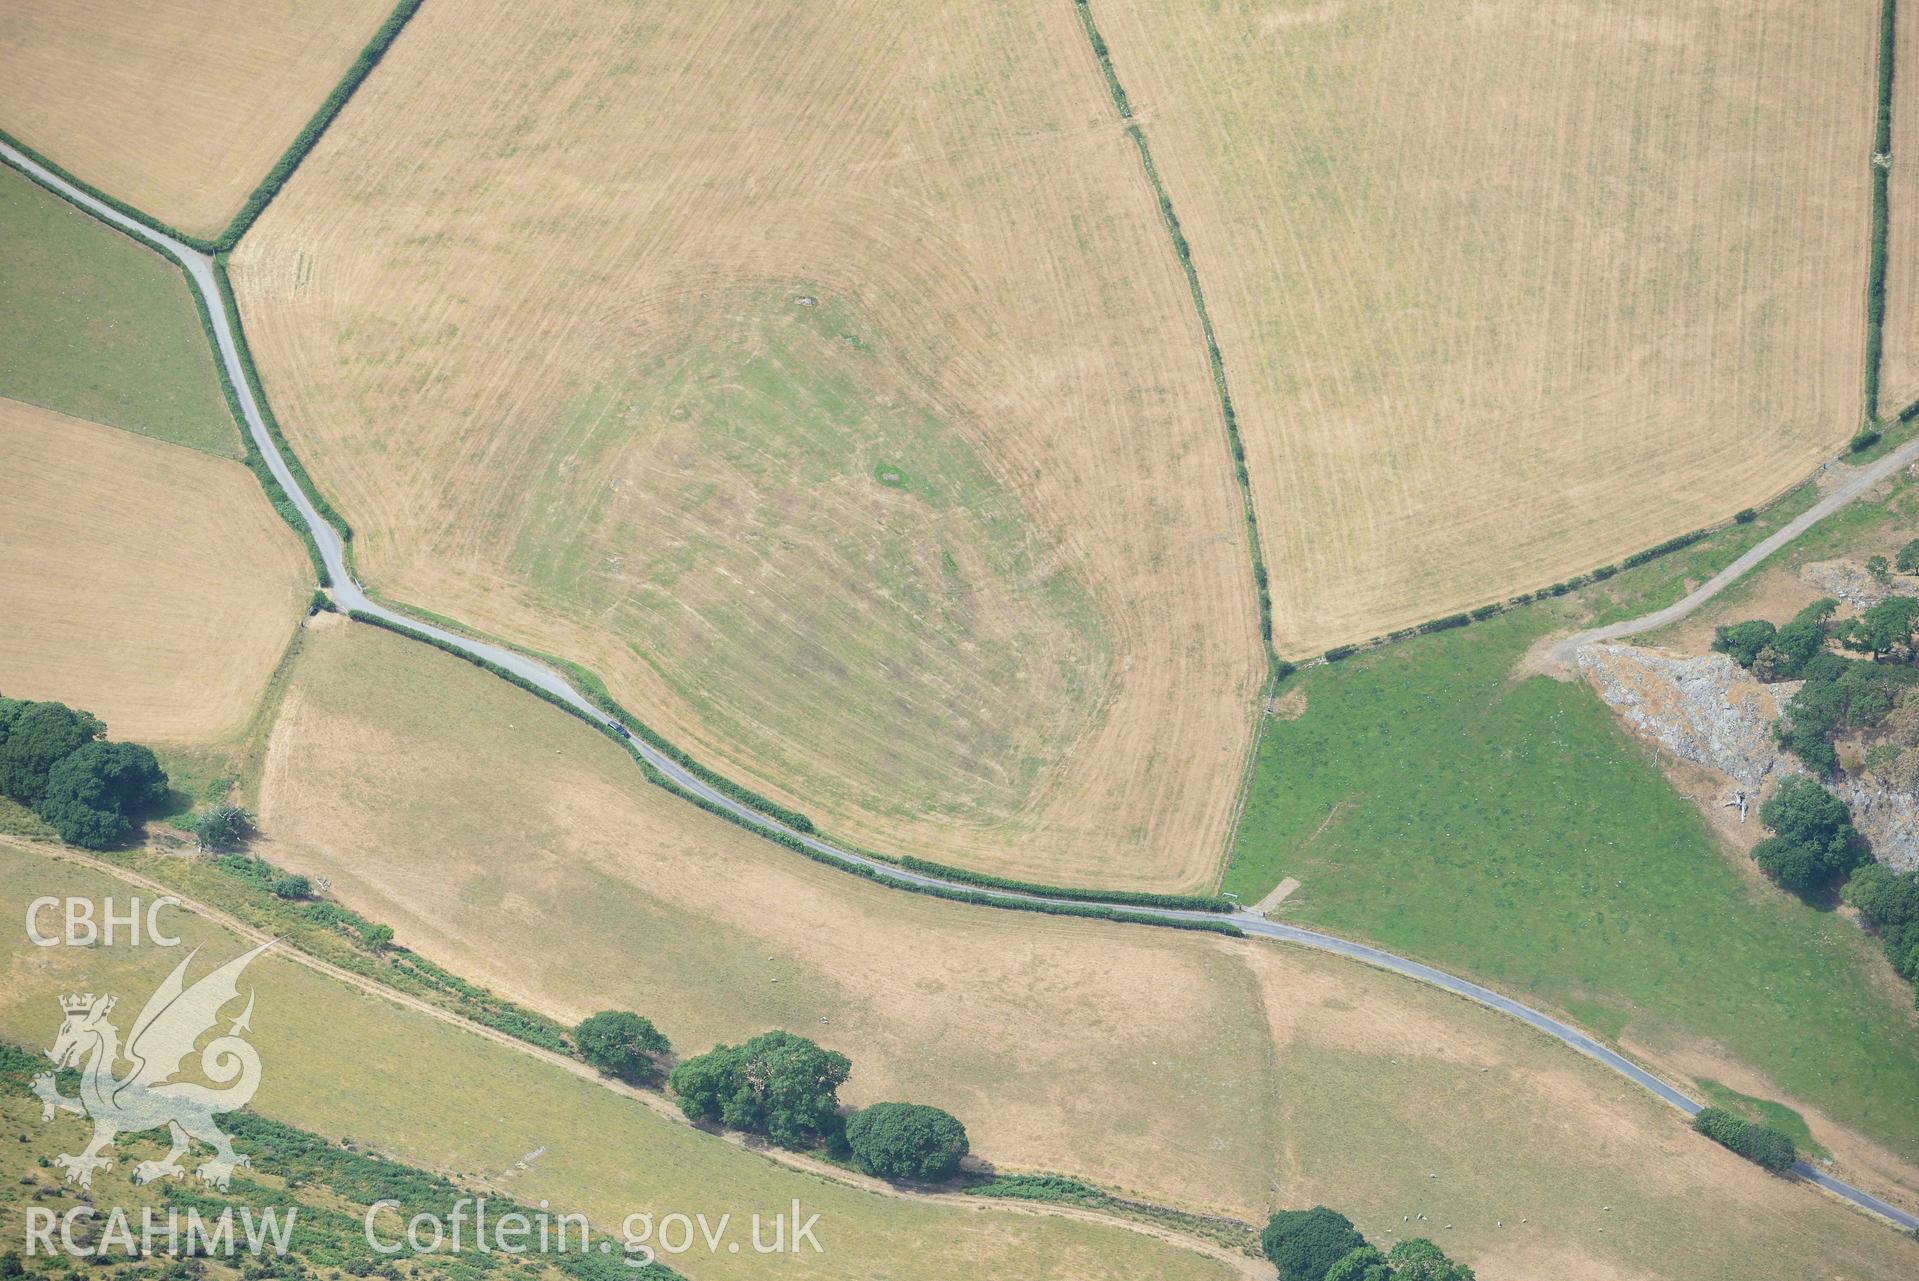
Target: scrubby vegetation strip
x=1129, y=898
x=1277, y=667
x=310, y=134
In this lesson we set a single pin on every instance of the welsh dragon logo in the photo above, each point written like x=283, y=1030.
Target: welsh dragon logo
x=147, y=1097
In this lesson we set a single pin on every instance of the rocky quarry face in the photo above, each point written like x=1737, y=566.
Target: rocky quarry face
x=1708, y=710
x=1704, y=709
x=1845, y=581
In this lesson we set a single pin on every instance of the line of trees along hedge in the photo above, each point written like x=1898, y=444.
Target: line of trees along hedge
x=1093, y=911
x=777, y=1084
x=316, y=125
x=1760, y=1144
x=55, y=760
x=1323, y=1245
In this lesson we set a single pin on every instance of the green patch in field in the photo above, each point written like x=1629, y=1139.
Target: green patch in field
x=1507, y=827
x=739, y=508
x=1765, y=1112
x=98, y=327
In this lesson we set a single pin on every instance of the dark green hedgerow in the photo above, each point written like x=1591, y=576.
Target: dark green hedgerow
x=252, y=373
x=1277, y=667
x=1009, y=901
x=253, y=459
x=1670, y=545
x=1876, y=263
x=1131, y=898
x=290, y=159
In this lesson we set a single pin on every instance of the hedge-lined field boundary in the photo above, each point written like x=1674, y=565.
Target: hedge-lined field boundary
x=112, y=202
x=594, y=689
x=957, y=894
x=1277, y=668
x=261, y=196
x=1131, y=898
x=252, y=373
x=253, y=459
x=1881, y=211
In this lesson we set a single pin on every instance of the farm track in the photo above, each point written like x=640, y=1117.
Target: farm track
x=652, y=1100
x=200, y=271
x=1848, y=490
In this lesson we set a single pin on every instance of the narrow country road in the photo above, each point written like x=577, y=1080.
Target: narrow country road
x=347, y=592
x=1852, y=487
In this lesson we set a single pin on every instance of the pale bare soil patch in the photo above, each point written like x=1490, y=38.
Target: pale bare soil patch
x=151, y=584
x=1899, y=360
x=821, y=376
x=178, y=107
x=517, y=847
x=1508, y=290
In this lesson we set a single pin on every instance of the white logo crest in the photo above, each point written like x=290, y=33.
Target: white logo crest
x=147, y=1097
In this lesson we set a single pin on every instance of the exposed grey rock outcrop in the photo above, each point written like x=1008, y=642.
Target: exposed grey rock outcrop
x=1889, y=818
x=1705, y=709
x=1849, y=582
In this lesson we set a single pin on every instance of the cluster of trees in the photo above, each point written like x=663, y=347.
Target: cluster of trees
x=1323, y=1245
x=784, y=1087
x=1814, y=842
x=1839, y=693
x=1889, y=902
x=1760, y=1144
x=55, y=760
x=1777, y=653
x=787, y=1088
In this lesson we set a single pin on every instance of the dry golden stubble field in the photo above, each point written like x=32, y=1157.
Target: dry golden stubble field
x=510, y=843
x=1507, y=291
x=149, y=583
x=818, y=374
x=178, y=107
